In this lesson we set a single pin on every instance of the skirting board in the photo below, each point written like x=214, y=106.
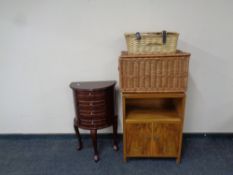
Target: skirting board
x=72, y=135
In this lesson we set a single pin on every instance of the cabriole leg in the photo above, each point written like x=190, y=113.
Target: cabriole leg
x=80, y=145
x=94, y=141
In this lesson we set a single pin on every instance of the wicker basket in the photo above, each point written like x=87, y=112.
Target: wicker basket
x=154, y=73
x=150, y=43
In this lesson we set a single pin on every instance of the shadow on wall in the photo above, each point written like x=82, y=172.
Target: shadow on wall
x=210, y=101
x=119, y=109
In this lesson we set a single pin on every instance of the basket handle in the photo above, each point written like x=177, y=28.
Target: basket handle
x=138, y=36
x=164, y=36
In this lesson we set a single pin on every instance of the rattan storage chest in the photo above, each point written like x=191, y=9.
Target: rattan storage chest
x=154, y=73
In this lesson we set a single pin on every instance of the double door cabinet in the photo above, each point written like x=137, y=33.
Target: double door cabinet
x=153, y=124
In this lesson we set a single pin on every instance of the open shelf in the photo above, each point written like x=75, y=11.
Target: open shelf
x=159, y=109
x=135, y=114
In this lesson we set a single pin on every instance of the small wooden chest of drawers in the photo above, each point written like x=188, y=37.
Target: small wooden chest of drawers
x=95, y=109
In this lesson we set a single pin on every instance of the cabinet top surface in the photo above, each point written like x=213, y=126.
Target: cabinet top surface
x=91, y=85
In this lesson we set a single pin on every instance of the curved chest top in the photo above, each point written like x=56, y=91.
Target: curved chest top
x=91, y=85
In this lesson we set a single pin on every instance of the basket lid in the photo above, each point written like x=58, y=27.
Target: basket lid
x=150, y=33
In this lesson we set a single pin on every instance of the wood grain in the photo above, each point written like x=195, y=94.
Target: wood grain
x=138, y=139
x=165, y=138
x=153, y=124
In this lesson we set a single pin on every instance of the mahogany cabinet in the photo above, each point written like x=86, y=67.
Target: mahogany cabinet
x=95, y=109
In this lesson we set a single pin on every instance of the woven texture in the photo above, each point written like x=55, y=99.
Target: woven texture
x=154, y=73
x=151, y=43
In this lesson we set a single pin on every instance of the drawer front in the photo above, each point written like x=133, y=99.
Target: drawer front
x=91, y=105
x=91, y=95
x=93, y=122
x=92, y=114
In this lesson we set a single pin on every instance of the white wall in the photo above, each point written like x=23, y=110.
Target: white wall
x=46, y=44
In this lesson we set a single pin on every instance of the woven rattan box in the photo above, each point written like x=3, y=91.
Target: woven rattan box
x=154, y=73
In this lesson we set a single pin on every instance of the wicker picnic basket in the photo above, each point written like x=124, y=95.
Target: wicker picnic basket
x=154, y=73
x=151, y=42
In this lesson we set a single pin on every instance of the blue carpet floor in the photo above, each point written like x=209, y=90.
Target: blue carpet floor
x=56, y=155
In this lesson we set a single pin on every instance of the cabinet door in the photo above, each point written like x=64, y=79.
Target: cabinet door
x=166, y=137
x=138, y=139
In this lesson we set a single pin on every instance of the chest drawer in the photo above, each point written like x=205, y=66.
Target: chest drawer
x=91, y=95
x=92, y=114
x=93, y=123
x=96, y=105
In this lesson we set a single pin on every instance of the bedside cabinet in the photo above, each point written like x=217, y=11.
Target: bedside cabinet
x=95, y=109
x=153, y=124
